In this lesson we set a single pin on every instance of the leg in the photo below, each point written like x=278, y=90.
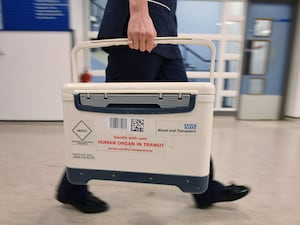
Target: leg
x=79, y=197
x=214, y=187
x=217, y=192
x=67, y=190
x=126, y=65
x=173, y=70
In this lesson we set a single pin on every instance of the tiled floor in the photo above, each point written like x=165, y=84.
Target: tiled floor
x=262, y=154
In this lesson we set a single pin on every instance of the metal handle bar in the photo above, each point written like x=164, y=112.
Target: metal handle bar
x=158, y=40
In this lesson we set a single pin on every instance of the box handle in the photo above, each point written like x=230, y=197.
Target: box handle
x=158, y=40
x=135, y=103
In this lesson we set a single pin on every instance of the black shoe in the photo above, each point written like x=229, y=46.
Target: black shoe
x=204, y=206
x=90, y=204
x=232, y=193
x=229, y=193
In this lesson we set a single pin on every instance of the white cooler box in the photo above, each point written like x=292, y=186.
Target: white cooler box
x=158, y=133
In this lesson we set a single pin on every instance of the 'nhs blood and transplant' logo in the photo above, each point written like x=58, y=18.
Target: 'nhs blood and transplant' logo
x=190, y=126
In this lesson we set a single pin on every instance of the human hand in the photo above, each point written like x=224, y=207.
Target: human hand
x=141, y=31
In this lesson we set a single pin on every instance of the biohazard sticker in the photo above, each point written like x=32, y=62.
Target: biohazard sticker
x=82, y=132
x=132, y=144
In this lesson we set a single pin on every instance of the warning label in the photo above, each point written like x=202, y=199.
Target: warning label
x=132, y=143
x=82, y=132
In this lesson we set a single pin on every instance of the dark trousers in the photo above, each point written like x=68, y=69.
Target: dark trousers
x=126, y=65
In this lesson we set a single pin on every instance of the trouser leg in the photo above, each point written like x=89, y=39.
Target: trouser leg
x=69, y=191
x=214, y=188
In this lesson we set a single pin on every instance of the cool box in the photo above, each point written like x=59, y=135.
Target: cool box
x=158, y=133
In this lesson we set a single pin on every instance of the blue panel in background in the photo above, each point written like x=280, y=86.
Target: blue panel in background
x=35, y=15
x=281, y=15
x=1, y=26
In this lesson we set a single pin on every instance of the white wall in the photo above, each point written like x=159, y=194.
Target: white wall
x=292, y=108
x=34, y=67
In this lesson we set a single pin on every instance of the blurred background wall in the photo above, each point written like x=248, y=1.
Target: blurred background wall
x=257, y=74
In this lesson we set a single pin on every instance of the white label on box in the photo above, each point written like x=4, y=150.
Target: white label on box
x=130, y=143
x=128, y=124
x=82, y=132
x=176, y=128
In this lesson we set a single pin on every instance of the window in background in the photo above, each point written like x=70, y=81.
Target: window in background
x=235, y=8
x=231, y=66
x=98, y=58
x=199, y=17
x=228, y=102
x=198, y=58
x=204, y=18
x=97, y=8
x=230, y=84
x=233, y=28
x=233, y=47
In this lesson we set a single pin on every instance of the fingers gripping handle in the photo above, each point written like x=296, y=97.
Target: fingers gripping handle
x=158, y=40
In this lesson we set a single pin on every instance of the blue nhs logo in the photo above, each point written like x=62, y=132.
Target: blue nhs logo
x=190, y=126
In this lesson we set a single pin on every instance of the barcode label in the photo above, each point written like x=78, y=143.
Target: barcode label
x=118, y=123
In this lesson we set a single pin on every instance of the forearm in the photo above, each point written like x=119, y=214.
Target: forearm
x=141, y=31
x=138, y=6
